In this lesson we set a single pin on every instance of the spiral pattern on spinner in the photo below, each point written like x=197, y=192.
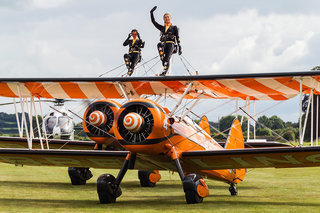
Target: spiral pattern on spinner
x=133, y=122
x=97, y=118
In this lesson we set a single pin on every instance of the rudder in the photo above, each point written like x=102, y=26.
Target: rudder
x=235, y=138
x=235, y=141
x=204, y=124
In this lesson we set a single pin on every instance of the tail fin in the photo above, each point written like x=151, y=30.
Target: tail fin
x=204, y=124
x=235, y=138
x=235, y=141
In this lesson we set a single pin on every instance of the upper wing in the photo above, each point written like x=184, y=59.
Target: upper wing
x=262, y=86
x=252, y=158
x=71, y=158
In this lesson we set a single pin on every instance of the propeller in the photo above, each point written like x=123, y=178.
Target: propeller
x=135, y=123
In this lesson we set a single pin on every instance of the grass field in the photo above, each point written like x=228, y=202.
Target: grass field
x=47, y=189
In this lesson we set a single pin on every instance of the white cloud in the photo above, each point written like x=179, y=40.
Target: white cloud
x=45, y=4
x=250, y=42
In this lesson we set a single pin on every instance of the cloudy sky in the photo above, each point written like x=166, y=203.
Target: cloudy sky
x=71, y=38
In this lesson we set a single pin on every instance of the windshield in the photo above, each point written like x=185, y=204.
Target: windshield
x=50, y=123
x=63, y=123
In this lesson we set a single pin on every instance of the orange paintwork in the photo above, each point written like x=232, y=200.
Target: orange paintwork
x=293, y=84
x=158, y=131
x=155, y=176
x=6, y=91
x=108, y=90
x=37, y=89
x=204, y=124
x=203, y=189
x=275, y=95
x=105, y=139
x=72, y=90
x=215, y=85
x=179, y=137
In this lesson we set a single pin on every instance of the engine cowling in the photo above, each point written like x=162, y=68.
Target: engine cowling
x=142, y=126
x=99, y=121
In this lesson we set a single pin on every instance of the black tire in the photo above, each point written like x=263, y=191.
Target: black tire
x=192, y=197
x=144, y=178
x=107, y=189
x=79, y=176
x=190, y=183
x=233, y=190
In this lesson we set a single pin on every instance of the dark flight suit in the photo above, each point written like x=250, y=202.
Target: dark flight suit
x=169, y=42
x=134, y=56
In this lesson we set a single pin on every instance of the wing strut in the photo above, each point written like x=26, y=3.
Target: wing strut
x=181, y=98
x=300, y=116
x=306, y=117
x=191, y=107
x=123, y=91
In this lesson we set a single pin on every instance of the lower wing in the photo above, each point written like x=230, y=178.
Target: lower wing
x=71, y=158
x=16, y=142
x=283, y=157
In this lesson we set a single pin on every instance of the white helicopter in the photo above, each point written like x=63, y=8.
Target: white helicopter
x=58, y=124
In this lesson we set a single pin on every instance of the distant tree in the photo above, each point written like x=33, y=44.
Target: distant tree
x=276, y=122
x=263, y=132
x=226, y=122
x=265, y=121
x=289, y=135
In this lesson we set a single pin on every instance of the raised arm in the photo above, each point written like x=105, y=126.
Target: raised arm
x=156, y=24
x=126, y=42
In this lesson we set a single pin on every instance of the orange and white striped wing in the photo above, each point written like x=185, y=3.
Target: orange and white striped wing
x=272, y=86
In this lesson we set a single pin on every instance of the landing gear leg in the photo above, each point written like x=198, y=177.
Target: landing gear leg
x=108, y=187
x=233, y=189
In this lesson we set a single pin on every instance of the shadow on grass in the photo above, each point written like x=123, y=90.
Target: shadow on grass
x=49, y=185
x=174, y=185
x=144, y=202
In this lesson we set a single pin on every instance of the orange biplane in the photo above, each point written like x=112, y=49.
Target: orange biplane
x=155, y=137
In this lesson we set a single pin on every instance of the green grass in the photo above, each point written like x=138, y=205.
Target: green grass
x=47, y=189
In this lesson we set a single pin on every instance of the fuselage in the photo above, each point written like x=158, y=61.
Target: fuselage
x=159, y=131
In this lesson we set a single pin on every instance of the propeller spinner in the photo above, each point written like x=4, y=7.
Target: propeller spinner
x=97, y=118
x=133, y=122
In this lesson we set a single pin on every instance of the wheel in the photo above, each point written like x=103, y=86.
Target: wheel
x=193, y=197
x=148, y=178
x=107, y=189
x=233, y=190
x=79, y=176
x=195, y=188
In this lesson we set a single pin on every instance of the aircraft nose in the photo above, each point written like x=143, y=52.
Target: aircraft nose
x=97, y=118
x=133, y=122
